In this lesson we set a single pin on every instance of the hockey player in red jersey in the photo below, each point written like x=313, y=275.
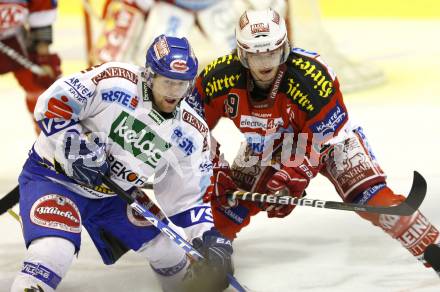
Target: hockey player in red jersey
x=25, y=35
x=288, y=105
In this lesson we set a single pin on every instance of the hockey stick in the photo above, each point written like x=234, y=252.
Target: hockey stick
x=432, y=256
x=164, y=228
x=10, y=200
x=406, y=208
x=409, y=206
x=22, y=60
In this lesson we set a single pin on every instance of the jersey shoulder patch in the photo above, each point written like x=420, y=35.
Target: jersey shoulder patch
x=309, y=82
x=221, y=75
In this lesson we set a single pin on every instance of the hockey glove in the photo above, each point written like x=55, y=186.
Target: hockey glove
x=221, y=183
x=210, y=274
x=51, y=64
x=85, y=158
x=291, y=181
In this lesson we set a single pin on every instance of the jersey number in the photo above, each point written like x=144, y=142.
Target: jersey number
x=231, y=105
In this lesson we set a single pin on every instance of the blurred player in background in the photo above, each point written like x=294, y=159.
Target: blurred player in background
x=130, y=123
x=130, y=24
x=288, y=105
x=25, y=37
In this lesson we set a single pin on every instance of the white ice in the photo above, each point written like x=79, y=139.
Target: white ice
x=312, y=249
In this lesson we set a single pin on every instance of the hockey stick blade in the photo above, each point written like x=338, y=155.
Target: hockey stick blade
x=10, y=200
x=406, y=208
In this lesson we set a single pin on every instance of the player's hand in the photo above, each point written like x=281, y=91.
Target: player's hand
x=85, y=158
x=221, y=183
x=210, y=274
x=51, y=65
x=291, y=181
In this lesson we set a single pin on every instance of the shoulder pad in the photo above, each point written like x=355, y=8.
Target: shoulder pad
x=222, y=75
x=309, y=82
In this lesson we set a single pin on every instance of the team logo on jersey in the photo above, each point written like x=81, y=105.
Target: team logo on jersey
x=124, y=173
x=78, y=90
x=120, y=96
x=139, y=139
x=298, y=96
x=56, y=212
x=113, y=72
x=260, y=123
x=156, y=117
x=193, y=216
x=222, y=84
x=322, y=84
x=184, y=142
x=60, y=106
x=179, y=66
x=333, y=120
x=195, y=122
x=161, y=48
x=52, y=126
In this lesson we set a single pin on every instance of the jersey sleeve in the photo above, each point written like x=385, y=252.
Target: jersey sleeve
x=328, y=123
x=323, y=113
x=66, y=99
x=42, y=13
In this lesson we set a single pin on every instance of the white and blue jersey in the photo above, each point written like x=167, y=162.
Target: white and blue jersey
x=112, y=102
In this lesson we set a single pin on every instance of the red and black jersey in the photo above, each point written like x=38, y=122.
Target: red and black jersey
x=304, y=98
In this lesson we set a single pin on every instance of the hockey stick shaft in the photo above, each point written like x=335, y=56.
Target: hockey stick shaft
x=409, y=206
x=10, y=200
x=406, y=208
x=164, y=228
x=22, y=60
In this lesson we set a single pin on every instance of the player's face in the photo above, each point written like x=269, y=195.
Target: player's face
x=264, y=66
x=168, y=92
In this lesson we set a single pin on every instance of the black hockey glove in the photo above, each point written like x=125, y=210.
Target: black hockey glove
x=211, y=273
x=85, y=159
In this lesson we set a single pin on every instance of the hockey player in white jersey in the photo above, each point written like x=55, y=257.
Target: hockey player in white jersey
x=130, y=123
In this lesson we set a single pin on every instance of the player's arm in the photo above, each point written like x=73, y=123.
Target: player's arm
x=71, y=98
x=319, y=122
x=59, y=111
x=42, y=15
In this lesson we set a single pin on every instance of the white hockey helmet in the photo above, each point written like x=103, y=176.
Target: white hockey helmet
x=259, y=31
